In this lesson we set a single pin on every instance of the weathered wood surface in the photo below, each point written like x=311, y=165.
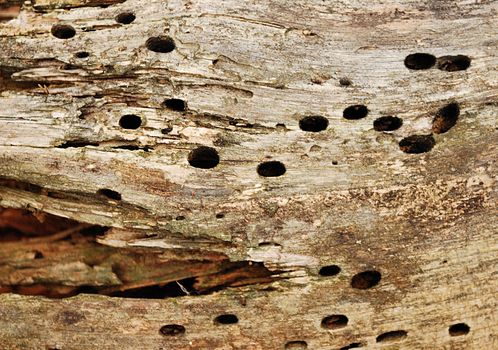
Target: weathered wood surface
x=249, y=71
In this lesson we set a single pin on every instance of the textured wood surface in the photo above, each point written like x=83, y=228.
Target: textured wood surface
x=249, y=72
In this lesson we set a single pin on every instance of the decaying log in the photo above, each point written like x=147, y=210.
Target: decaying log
x=192, y=174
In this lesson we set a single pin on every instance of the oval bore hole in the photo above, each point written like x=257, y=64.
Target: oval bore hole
x=387, y=123
x=459, y=329
x=130, y=121
x=226, y=319
x=418, y=61
x=166, y=130
x=391, y=336
x=271, y=169
x=345, y=82
x=268, y=244
x=125, y=17
x=220, y=216
x=446, y=118
x=417, y=144
x=355, y=112
x=109, y=194
x=296, y=345
x=63, y=31
x=334, y=322
x=453, y=63
x=204, y=157
x=162, y=44
x=330, y=270
x=313, y=123
x=172, y=330
x=81, y=54
x=365, y=279
x=352, y=346
x=175, y=104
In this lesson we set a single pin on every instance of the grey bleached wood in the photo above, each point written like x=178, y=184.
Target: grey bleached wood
x=349, y=197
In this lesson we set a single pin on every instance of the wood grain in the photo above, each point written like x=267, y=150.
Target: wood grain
x=249, y=72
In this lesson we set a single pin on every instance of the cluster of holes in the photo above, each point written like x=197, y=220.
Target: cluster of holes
x=160, y=44
x=420, y=61
x=332, y=322
x=362, y=280
x=176, y=329
x=206, y=158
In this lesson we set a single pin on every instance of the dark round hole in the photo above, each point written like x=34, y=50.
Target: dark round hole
x=204, y=157
x=125, y=17
x=459, y=329
x=220, y=216
x=180, y=218
x=365, y=279
x=81, y=54
x=344, y=82
x=175, y=104
x=335, y=322
x=330, y=270
x=172, y=330
x=161, y=44
x=391, y=336
x=63, y=31
x=352, y=346
x=387, y=123
x=226, y=319
x=355, y=112
x=130, y=121
x=271, y=169
x=446, y=118
x=314, y=123
x=417, y=144
x=453, y=63
x=296, y=345
x=109, y=194
x=419, y=61
x=38, y=254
